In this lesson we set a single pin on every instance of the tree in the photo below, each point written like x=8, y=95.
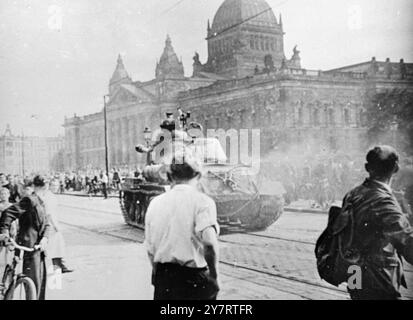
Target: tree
x=390, y=119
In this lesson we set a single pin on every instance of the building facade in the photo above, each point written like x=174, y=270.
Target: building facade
x=247, y=82
x=27, y=155
x=131, y=106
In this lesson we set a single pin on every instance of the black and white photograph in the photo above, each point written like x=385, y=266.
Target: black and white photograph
x=208, y=150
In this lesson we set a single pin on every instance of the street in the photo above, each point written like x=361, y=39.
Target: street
x=110, y=261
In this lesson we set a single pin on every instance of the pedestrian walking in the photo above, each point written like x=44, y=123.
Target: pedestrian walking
x=104, y=181
x=8, y=182
x=181, y=237
x=4, y=199
x=382, y=232
x=5, y=204
x=34, y=229
x=56, y=244
x=5, y=255
x=116, y=179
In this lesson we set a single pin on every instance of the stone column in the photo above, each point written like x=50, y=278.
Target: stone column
x=132, y=140
x=118, y=139
x=139, y=127
x=125, y=140
x=111, y=143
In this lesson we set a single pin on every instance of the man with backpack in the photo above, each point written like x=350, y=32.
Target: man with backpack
x=370, y=234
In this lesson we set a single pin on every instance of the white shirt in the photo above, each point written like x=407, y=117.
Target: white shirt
x=104, y=178
x=174, y=223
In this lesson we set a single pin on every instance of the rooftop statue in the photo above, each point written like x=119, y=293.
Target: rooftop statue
x=295, y=51
x=196, y=58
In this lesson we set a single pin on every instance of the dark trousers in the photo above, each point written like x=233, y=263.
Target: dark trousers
x=34, y=266
x=104, y=190
x=175, y=282
x=372, y=295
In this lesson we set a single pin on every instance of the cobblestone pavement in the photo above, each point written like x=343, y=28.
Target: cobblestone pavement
x=286, y=249
x=278, y=263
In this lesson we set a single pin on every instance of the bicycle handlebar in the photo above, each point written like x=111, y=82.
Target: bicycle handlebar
x=16, y=246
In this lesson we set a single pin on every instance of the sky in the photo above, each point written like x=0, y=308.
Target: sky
x=57, y=56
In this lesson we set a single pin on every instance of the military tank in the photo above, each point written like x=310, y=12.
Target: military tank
x=244, y=200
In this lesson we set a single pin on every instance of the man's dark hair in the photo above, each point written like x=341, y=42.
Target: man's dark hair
x=183, y=170
x=382, y=161
x=39, y=181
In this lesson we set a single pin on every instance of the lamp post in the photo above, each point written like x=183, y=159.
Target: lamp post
x=147, y=134
x=393, y=128
x=23, y=171
x=106, y=135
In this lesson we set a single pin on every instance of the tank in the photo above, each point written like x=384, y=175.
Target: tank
x=245, y=200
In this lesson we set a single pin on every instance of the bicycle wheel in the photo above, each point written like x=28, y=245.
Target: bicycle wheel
x=24, y=289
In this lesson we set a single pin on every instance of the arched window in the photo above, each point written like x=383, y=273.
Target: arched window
x=252, y=44
x=272, y=46
x=347, y=117
x=316, y=117
x=332, y=141
x=300, y=116
x=267, y=46
x=262, y=45
x=362, y=118
x=330, y=115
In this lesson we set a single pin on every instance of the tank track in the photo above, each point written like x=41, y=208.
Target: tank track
x=270, y=209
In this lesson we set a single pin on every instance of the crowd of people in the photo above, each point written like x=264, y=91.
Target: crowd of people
x=324, y=180
x=92, y=182
x=29, y=215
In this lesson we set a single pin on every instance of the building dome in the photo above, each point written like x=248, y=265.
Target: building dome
x=233, y=12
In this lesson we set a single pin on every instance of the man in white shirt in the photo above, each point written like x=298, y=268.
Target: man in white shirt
x=181, y=233
x=104, y=180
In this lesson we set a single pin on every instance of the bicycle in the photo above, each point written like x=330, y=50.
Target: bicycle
x=15, y=285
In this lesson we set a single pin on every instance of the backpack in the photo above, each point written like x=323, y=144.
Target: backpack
x=334, y=248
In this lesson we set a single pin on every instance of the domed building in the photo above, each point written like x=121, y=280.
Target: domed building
x=246, y=82
x=242, y=35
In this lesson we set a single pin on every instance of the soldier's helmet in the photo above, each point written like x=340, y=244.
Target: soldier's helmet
x=169, y=123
